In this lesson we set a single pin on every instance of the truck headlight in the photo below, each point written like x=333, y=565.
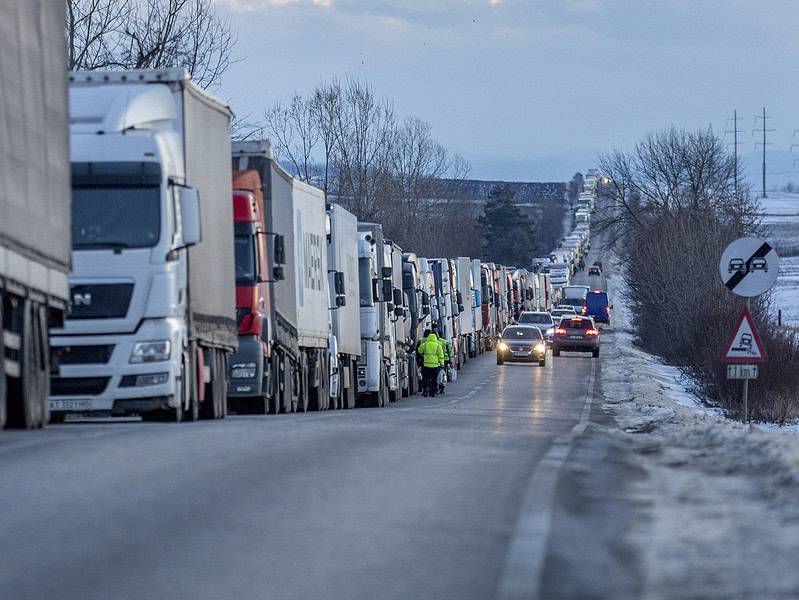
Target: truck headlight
x=147, y=352
x=243, y=371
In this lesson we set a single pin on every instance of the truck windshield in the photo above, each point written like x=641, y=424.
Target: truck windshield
x=116, y=217
x=365, y=281
x=245, y=259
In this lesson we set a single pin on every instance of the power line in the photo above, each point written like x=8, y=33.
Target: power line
x=764, y=143
x=734, y=131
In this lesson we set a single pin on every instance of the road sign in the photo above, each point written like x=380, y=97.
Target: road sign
x=744, y=346
x=749, y=267
x=742, y=371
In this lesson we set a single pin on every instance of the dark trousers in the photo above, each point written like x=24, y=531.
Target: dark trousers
x=430, y=380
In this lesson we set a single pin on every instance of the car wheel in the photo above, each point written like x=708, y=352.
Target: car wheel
x=542, y=362
x=499, y=360
x=596, y=353
x=555, y=352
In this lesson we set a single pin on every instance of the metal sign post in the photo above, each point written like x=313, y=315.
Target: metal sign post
x=748, y=268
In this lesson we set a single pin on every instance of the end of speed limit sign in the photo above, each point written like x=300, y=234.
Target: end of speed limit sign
x=749, y=267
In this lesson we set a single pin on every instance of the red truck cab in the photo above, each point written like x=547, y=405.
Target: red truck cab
x=250, y=375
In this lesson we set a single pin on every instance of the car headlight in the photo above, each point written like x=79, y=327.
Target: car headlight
x=243, y=371
x=502, y=346
x=540, y=347
x=146, y=352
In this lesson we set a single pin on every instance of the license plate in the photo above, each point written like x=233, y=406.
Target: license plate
x=520, y=353
x=575, y=337
x=70, y=405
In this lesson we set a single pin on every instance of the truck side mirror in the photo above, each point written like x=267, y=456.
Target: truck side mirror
x=459, y=296
x=375, y=291
x=387, y=272
x=191, y=231
x=460, y=308
x=338, y=283
x=278, y=274
x=397, y=297
x=341, y=301
x=399, y=311
x=388, y=290
x=280, y=250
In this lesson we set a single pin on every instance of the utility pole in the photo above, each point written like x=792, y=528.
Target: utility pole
x=764, y=143
x=734, y=131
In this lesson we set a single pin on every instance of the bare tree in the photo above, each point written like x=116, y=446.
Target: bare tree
x=93, y=32
x=136, y=34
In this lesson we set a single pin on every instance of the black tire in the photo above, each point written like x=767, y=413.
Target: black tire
x=384, y=391
x=555, y=351
x=187, y=388
x=26, y=395
x=542, y=363
x=348, y=394
x=500, y=361
x=303, y=389
x=595, y=353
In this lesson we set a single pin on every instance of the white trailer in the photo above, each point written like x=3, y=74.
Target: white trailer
x=34, y=204
x=345, y=314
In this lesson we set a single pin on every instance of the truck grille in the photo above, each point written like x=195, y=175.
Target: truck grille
x=100, y=300
x=82, y=355
x=78, y=386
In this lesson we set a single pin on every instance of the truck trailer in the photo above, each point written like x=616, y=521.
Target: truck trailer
x=34, y=205
x=152, y=319
x=345, y=314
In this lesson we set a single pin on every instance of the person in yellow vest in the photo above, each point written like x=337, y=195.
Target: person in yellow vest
x=443, y=372
x=432, y=360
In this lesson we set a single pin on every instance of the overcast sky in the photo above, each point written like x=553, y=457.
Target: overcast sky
x=509, y=83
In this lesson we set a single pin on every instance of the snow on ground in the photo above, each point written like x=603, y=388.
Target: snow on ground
x=721, y=496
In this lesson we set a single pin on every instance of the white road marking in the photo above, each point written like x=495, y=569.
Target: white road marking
x=524, y=563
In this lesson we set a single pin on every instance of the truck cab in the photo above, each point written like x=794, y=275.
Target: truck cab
x=250, y=387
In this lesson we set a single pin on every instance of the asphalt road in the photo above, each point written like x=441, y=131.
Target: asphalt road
x=500, y=489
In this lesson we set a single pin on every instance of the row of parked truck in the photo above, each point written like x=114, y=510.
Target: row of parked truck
x=181, y=275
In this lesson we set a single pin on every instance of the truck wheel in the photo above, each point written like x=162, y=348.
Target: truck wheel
x=187, y=395
x=302, y=390
x=24, y=402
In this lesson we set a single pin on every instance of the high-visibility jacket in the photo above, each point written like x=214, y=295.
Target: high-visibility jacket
x=446, y=349
x=431, y=352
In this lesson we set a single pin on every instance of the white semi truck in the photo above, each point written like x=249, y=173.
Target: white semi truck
x=34, y=204
x=345, y=314
x=152, y=317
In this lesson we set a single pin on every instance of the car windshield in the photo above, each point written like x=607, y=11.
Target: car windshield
x=576, y=324
x=535, y=318
x=115, y=217
x=521, y=333
x=245, y=259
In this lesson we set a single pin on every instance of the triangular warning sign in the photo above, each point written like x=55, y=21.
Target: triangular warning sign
x=744, y=345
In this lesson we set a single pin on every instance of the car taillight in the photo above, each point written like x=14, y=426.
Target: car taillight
x=592, y=332
x=560, y=331
x=607, y=309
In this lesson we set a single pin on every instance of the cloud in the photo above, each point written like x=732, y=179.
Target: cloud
x=258, y=5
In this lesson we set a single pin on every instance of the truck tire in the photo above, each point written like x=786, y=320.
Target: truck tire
x=26, y=395
x=209, y=406
x=187, y=395
x=304, y=384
